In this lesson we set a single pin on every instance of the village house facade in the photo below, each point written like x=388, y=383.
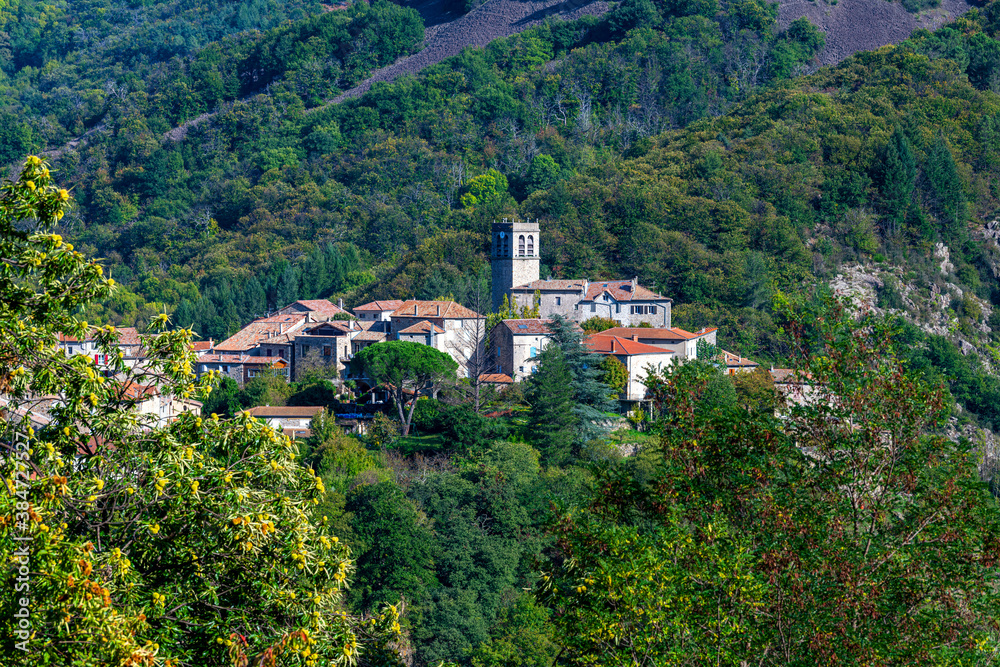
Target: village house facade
x=515, y=256
x=516, y=344
x=638, y=358
x=684, y=344
x=444, y=325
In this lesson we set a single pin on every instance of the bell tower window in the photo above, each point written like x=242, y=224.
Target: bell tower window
x=531, y=246
x=520, y=245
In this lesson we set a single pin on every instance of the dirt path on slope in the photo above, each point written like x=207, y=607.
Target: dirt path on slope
x=865, y=25
x=492, y=20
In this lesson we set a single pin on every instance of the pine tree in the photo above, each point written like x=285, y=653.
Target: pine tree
x=946, y=186
x=552, y=419
x=899, y=178
x=591, y=397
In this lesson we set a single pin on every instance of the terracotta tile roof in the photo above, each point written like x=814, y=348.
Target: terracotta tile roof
x=335, y=328
x=664, y=334
x=421, y=328
x=624, y=346
x=443, y=309
x=285, y=410
x=731, y=359
x=527, y=327
x=621, y=290
x=496, y=378
x=129, y=336
x=370, y=335
x=559, y=285
x=259, y=331
x=201, y=345
x=133, y=390
x=380, y=306
x=316, y=306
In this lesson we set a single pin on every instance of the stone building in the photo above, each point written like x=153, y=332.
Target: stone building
x=638, y=359
x=516, y=344
x=624, y=301
x=514, y=257
x=444, y=325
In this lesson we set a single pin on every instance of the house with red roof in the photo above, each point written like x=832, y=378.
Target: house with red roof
x=516, y=344
x=684, y=344
x=444, y=325
x=377, y=311
x=319, y=309
x=638, y=359
x=624, y=301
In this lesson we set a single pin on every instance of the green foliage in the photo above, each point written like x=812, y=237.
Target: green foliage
x=550, y=396
x=406, y=370
x=614, y=374
x=746, y=515
x=158, y=545
x=598, y=324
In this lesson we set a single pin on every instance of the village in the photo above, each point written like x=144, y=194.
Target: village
x=320, y=337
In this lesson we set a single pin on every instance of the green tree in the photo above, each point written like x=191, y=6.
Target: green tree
x=406, y=370
x=550, y=395
x=592, y=399
x=795, y=539
x=597, y=324
x=486, y=193
x=614, y=374
x=190, y=543
x=946, y=186
x=899, y=177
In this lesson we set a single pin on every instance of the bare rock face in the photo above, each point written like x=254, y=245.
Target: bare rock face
x=864, y=25
x=943, y=254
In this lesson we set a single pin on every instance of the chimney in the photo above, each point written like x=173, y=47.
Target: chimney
x=340, y=304
x=437, y=310
x=635, y=337
x=433, y=335
x=309, y=316
x=281, y=328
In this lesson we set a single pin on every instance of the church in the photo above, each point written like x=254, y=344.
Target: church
x=515, y=262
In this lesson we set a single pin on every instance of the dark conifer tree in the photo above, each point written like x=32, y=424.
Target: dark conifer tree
x=550, y=393
x=946, y=186
x=591, y=397
x=899, y=178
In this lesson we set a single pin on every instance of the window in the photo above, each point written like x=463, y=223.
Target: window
x=305, y=350
x=281, y=353
x=520, y=245
x=531, y=246
x=520, y=369
x=534, y=352
x=593, y=307
x=506, y=247
x=618, y=308
x=558, y=300
x=327, y=351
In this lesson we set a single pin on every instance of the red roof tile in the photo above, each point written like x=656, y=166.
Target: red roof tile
x=421, y=328
x=664, y=334
x=380, y=306
x=261, y=330
x=621, y=290
x=731, y=359
x=496, y=378
x=370, y=335
x=617, y=345
x=527, y=327
x=443, y=309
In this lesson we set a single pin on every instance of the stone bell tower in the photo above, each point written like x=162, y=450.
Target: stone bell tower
x=513, y=256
